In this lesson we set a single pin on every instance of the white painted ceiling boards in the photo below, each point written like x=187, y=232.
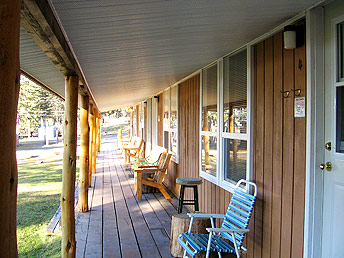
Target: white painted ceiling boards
x=131, y=49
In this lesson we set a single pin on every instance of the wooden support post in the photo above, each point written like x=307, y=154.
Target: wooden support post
x=69, y=167
x=91, y=122
x=99, y=132
x=84, y=155
x=9, y=92
x=94, y=138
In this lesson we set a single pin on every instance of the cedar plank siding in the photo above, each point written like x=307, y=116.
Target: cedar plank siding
x=276, y=228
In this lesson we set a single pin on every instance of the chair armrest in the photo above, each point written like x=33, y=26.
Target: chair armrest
x=130, y=148
x=148, y=167
x=148, y=170
x=227, y=230
x=206, y=215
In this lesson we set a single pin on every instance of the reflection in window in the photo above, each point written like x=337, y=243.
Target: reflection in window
x=209, y=154
x=235, y=93
x=134, y=121
x=209, y=99
x=174, y=122
x=340, y=120
x=340, y=48
x=174, y=107
x=166, y=109
x=235, y=157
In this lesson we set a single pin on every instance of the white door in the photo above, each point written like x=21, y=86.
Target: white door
x=333, y=201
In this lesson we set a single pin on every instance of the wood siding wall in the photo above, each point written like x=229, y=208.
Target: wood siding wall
x=279, y=151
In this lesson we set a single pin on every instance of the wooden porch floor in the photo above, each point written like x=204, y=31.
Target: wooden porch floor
x=118, y=225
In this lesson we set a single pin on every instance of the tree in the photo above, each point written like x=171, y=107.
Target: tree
x=36, y=106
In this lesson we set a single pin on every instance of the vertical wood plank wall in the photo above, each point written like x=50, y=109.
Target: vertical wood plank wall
x=279, y=151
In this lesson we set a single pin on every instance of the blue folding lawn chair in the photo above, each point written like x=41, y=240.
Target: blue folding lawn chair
x=228, y=238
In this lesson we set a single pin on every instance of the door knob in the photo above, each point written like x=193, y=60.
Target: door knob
x=327, y=166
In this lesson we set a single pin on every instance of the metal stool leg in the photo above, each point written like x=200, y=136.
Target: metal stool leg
x=181, y=199
x=196, y=198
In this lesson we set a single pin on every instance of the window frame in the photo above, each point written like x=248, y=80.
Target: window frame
x=205, y=175
x=219, y=179
x=175, y=155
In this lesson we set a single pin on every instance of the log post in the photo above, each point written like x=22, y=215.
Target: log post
x=99, y=132
x=91, y=122
x=9, y=92
x=69, y=167
x=94, y=139
x=180, y=224
x=84, y=155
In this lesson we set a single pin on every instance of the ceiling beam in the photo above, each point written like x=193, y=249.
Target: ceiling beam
x=39, y=20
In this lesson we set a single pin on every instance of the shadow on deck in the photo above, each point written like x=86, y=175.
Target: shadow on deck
x=118, y=225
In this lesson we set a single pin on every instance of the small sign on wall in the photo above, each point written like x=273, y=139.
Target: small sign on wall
x=300, y=107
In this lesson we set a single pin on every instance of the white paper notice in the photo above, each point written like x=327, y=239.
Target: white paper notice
x=300, y=107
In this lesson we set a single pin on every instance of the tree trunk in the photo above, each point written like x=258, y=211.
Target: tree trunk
x=84, y=155
x=9, y=92
x=180, y=224
x=94, y=137
x=91, y=121
x=69, y=167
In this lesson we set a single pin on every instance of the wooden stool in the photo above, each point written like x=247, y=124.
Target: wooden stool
x=188, y=182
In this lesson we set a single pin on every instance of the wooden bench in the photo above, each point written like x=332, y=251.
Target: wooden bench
x=134, y=149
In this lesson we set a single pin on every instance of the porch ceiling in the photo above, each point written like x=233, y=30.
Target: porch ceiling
x=129, y=50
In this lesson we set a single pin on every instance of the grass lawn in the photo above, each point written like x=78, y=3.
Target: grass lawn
x=39, y=192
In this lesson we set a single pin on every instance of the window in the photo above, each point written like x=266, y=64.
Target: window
x=174, y=122
x=225, y=124
x=141, y=120
x=235, y=116
x=339, y=91
x=170, y=122
x=134, y=121
x=209, y=122
x=340, y=49
x=166, y=116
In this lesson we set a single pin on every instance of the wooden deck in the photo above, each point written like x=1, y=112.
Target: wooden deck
x=118, y=225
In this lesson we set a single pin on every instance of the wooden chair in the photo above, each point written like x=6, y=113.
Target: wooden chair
x=158, y=172
x=229, y=238
x=133, y=150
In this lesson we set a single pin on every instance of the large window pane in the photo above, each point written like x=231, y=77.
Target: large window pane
x=235, y=156
x=341, y=51
x=235, y=93
x=166, y=109
x=174, y=108
x=340, y=120
x=209, y=154
x=209, y=99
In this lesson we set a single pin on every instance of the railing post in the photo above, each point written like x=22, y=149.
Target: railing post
x=84, y=155
x=9, y=92
x=69, y=167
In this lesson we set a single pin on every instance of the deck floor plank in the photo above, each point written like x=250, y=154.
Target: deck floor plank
x=119, y=225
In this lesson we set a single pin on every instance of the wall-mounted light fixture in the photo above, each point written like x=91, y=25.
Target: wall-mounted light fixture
x=156, y=98
x=290, y=37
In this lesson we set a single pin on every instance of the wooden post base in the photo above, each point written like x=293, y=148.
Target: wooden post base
x=180, y=224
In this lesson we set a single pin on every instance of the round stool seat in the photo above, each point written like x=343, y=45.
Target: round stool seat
x=189, y=181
